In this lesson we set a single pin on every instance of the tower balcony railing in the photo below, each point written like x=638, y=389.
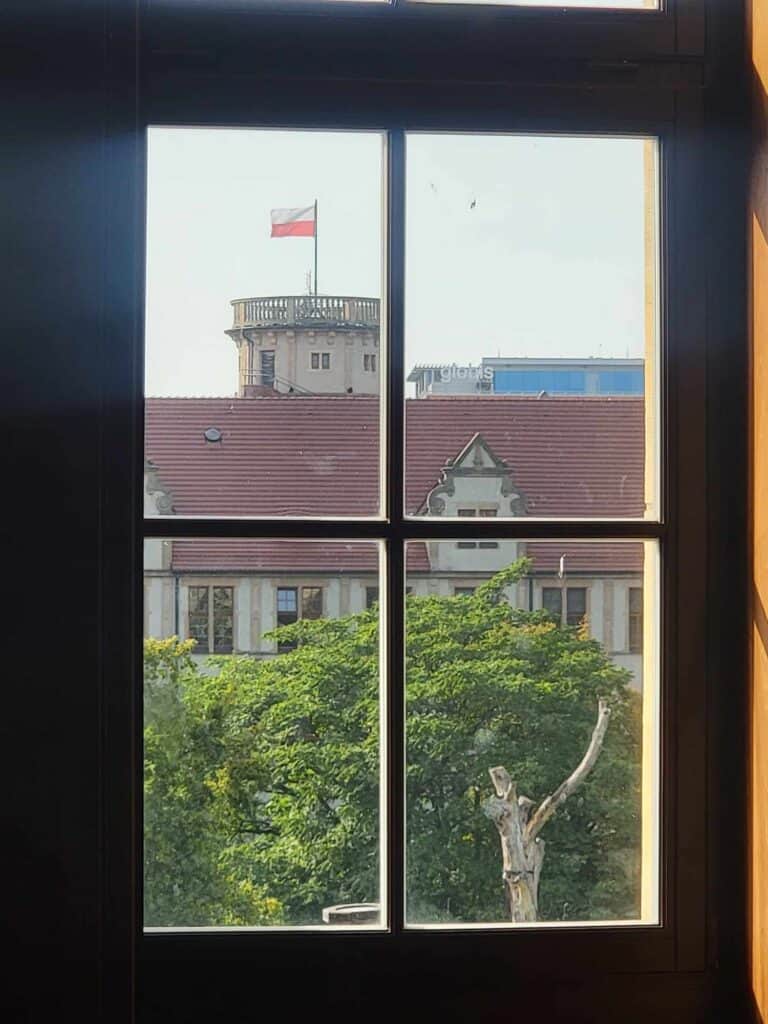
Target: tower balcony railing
x=306, y=311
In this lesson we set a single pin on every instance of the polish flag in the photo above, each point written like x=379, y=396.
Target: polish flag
x=295, y=223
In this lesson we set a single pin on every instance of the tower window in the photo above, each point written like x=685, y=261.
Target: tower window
x=267, y=369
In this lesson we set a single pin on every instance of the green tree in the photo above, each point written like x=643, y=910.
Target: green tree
x=262, y=791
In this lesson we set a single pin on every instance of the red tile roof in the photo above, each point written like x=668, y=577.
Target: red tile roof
x=318, y=455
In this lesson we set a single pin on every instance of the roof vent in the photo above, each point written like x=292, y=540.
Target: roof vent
x=212, y=434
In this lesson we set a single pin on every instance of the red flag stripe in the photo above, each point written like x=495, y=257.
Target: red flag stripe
x=297, y=229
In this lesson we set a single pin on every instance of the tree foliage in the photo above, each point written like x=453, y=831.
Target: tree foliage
x=262, y=776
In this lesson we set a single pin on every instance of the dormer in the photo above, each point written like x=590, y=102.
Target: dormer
x=477, y=483
x=477, y=477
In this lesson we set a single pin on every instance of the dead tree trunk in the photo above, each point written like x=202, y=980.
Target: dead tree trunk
x=519, y=822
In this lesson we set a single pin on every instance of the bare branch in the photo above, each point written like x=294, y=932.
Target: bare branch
x=502, y=782
x=575, y=779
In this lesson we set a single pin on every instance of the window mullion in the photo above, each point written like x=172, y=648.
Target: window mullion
x=393, y=489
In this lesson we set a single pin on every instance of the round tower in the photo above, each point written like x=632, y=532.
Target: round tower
x=306, y=344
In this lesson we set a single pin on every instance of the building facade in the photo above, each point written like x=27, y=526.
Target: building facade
x=280, y=448
x=504, y=375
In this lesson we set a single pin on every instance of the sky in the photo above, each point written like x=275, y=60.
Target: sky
x=515, y=245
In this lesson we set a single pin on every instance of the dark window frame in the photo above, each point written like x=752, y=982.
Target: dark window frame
x=652, y=946
x=514, y=103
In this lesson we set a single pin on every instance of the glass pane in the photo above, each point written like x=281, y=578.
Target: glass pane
x=199, y=617
x=262, y=769
x=263, y=322
x=510, y=709
x=223, y=620
x=531, y=326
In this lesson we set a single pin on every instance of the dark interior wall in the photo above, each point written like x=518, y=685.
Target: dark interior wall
x=56, y=205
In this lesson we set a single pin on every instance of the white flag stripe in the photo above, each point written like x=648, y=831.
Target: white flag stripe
x=290, y=216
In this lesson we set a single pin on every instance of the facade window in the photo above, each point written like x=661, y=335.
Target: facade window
x=371, y=596
x=552, y=602
x=575, y=604
x=320, y=361
x=289, y=609
x=482, y=513
x=211, y=619
x=369, y=362
x=463, y=591
x=287, y=613
x=635, y=619
x=311, y=602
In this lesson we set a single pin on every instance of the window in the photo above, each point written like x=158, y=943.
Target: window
x=575, y=604
x=289, y=611
x=552, y=601
x=369, y=362
x=371, y=596
x=196, y=70
x=210, y=621
x=320, y=361
x=267, y=369
x=491, y=466
x=635, y=620
x=311, y=602
x=483, y=513
x=556, y=461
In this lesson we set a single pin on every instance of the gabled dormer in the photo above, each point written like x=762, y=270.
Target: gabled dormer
x=477, y=475
x=476, y=484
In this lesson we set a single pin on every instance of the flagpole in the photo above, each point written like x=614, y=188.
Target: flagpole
x=315, y=248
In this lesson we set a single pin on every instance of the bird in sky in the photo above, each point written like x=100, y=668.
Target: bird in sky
x=473, y=204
